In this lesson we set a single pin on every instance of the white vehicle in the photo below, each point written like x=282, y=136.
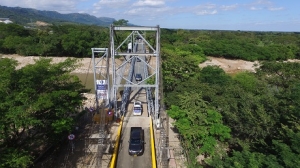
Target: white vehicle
x=137, y=108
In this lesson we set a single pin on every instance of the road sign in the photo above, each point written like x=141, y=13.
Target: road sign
x=71, y=137
x=101, y=89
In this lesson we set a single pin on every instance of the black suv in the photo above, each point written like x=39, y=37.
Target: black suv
x=138, y=77
x=136, y=141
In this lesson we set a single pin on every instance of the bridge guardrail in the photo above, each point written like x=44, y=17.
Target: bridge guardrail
x=153, y=153
x=116, y=148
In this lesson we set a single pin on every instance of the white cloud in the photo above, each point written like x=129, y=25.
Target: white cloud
x=149, y=12
x=288, y=22
x=275, y=9
x=161, y=10
x=111, y=3
x=150, y=3
x=263, y=4
x=206, y=12
x=206, y=9
x=135, y=11
x=208, y=6
x=228, y=7
x=255, y=8
x=148, y=9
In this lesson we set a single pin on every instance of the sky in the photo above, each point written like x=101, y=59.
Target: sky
x=245, y=15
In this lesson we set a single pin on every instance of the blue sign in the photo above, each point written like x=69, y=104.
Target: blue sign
x=101, y=85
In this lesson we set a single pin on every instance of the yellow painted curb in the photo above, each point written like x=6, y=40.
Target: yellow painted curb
x=116, y=149
x=153, y=154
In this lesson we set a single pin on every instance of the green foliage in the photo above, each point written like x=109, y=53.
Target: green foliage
x=284, y=156
x=72, y=40
x=121, y=22
x=62, y=125
x=14, y=158
x=200, y=127
x=248, y=120
x=12, y=30
x=283, y=74
x=237, y=44
x=76, y=40
x=246, y=159
x=214, y=75
x=247, y=80
x=256, y=114
x=37, y=102
x=179, y=67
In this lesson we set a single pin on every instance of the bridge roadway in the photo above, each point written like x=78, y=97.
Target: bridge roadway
x=124, y=160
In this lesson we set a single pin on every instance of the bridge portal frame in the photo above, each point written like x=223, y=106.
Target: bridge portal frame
x=116, y=51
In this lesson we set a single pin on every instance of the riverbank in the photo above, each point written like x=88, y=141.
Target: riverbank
x=85, y=63
x=85, y=67
x=228, y=65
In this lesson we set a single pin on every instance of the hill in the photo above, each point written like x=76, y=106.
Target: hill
x=24, y=16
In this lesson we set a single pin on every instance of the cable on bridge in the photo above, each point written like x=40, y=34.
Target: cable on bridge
x=127, y=90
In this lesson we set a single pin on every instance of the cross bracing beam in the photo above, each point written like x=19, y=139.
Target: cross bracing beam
x=136, y=85
x=144, y=40
x=137, y=54
x=136, y=28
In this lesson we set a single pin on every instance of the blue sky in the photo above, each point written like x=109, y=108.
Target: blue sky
x=254, y=15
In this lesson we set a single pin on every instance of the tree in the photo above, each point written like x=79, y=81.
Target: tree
x=178, y=66
x=121, y=22
x=214, y=75
x=36, y=106
x=200, y=126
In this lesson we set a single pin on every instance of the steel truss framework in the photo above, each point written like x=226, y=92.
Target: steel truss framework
x=145, y=46
x=121, y=72
x=97, y=140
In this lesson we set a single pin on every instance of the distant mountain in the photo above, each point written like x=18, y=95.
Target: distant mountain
x=27, y=15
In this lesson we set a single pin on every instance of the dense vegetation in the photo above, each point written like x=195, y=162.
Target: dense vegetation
x=36, y=105
x=77, y=40
x=238, y=44
x=242, y=120
x=63, y=40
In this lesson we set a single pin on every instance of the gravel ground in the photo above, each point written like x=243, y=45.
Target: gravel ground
x=231, y=66
x=85, y=63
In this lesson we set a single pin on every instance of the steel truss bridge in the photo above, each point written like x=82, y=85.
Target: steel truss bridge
x=132, y=51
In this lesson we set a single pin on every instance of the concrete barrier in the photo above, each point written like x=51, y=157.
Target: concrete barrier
x=153, y=154
x=116, y=149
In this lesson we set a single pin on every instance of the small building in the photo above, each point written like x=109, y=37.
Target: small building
x=5, y=20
